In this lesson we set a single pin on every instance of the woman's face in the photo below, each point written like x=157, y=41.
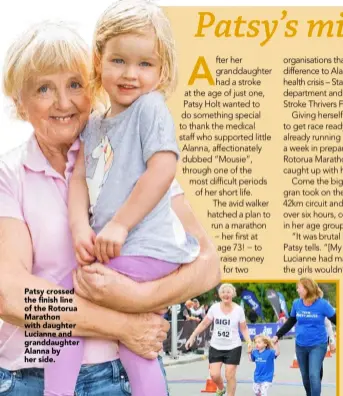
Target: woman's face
x=301, y=291
x=57, y=105
x=226, y=295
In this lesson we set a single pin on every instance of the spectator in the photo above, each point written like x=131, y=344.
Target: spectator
x=197, y=311
x=228, y=320
x=309, y=313
x=187, y=311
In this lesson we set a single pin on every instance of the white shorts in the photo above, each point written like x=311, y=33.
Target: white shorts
x=261, y=388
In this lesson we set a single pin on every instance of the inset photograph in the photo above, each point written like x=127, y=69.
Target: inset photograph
x=255, y=339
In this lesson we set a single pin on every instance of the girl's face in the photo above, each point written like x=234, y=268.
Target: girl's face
x=260, y=344
x=226, y=295
x=130, y=67
x=301, y=291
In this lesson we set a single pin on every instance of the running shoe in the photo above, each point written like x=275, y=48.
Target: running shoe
x=220, y=392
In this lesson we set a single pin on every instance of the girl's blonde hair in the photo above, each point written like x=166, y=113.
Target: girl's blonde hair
x=45, y=48
x=313, y=290
x=136, y=17
x=229, y=286
x=267, y=340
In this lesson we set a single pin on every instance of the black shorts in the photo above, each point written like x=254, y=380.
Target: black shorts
x=231, y=356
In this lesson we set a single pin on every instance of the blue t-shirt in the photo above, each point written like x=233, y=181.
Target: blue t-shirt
x=264, y=371
x=310, y=328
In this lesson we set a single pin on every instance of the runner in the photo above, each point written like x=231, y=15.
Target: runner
x=263, y=355
x=309, y=312
x=225, y=345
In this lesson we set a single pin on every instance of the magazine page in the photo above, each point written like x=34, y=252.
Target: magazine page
x=171, y=202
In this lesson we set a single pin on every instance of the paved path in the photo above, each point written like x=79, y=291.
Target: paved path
x=189, y=379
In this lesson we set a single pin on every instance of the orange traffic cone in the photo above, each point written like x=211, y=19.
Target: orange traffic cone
x=210, y=387
x=294, y=363
x=328, y=353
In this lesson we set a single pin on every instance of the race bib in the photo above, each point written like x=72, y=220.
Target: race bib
x=224, y=333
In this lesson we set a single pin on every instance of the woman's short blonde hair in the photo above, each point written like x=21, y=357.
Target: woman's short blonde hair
x=229, y=286
x=45, y=48
x=136, y=17
x=313, y=290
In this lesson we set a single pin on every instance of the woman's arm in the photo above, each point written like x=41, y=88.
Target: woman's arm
x=108, y=288
x=198, y=330
x=332, y=319
x=15, y=268
x=291, y=321
x=245, y=333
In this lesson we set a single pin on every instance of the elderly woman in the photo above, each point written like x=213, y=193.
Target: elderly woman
x=46, y=75
x=309, y=312
x=225, y=345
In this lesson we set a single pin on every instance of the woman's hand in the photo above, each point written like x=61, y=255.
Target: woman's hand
x=110, y=289
x=92, y=281
x=144, y=334
x=275, y=339
x=190, y=341
x=99, y=284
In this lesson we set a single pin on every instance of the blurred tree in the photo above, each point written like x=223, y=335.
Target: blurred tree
x=329, y=290
x=287, y=289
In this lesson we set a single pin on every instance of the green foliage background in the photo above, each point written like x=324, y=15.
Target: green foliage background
x=287, y=289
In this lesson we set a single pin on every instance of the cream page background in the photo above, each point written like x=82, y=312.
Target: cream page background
x=269, y=163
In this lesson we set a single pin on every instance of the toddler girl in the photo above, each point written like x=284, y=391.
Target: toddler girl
x=119, y=203
x=263, y=355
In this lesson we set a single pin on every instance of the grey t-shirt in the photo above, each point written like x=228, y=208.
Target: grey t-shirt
x=116, y=153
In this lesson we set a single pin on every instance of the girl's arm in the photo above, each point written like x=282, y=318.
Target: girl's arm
x=136, y=331
x=149, y=189
x=78, y=205
x=276, y=347
x=156, y=134
x=147, y=193
x=245, y=333
x=198, y=330
x=329, y=312
x=108, y=288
